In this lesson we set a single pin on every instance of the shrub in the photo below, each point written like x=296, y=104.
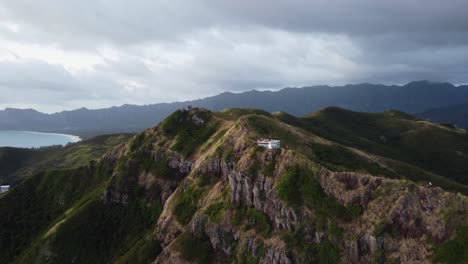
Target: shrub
x=270, y=167
x=453, y=251
x=251, y=218
x=252, y=171
x=172, y=122
x=142, y=252
x=215, y=212
x=191, y=136
x=186, y=204
x=203, y=180
x=228, y=154
x=298, y=186
x=288, y=187
x=326, y=252
x=194, y=247
x=381, y=228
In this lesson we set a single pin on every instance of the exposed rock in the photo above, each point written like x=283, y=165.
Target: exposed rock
x=198, y=121
x=222, y=238
x=349, y=187
x=275, y=256
x=198, y=224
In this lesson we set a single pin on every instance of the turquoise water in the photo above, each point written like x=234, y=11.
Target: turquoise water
x=28, y=139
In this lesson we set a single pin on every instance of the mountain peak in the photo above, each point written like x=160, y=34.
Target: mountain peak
x=425, y=83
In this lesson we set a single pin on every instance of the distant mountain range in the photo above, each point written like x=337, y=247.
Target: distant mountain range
x=456, y=115
x=414, y=97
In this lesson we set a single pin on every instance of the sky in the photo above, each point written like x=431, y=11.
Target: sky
x=59, y=55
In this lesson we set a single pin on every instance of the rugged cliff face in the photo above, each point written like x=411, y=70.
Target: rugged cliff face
x=197, y=189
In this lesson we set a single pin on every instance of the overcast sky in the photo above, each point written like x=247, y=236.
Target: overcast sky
x=57, y=55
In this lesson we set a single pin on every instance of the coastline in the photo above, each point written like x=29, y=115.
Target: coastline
x=74, y=138
x=68, y=137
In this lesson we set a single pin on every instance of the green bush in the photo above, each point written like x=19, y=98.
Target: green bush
x=190, y=137
x=252, y=171
x=251, y=218
x=228, y=154
x=203, y=180
x=288, y=187
x=453, y=251
x=142, y=252
x=186, y=204
x=170, y=125
x=270, y=167
x=382, y=228
x=298, y=186
x=215, y=212
x=249, y=258
x=326, y=252
x=194, y=247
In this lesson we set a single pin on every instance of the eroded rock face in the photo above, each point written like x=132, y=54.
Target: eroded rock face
x=275, y=256
x=115, y=153
x=222, y=238
x=349, y=187
x=217, y=168
x=176, y=161
x=416, y=214
x=259, y=193
x=409, y=215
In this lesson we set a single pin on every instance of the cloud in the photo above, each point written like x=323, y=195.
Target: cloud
x=60, y=55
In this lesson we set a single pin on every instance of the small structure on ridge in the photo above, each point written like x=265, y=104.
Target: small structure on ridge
x=4, y=188
x=269, y=143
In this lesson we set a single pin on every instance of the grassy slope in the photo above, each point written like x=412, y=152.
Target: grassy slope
x=58, y=209
x=12, y=159
x=437, y=149
x=16, y=163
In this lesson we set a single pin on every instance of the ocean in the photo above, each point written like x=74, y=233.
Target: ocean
x=29, y=139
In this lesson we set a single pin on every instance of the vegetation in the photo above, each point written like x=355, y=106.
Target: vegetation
x=16, y=164
x=267, y=127
x=396, y=135
x=453, y=251
x=310, y=252
x=102, y=231
x=143, y=252
x=13, y=159
x=326, y=252
x=203, y=180
x=105, y=211
x=186, y=204
x=298, y=186
x=228, y=154
x=251, y=218
x=245, y=256
x=30, y=207
x=194, y=247
x=189, y=135
x=339, y=158
x=270, y=166
x=215, y=212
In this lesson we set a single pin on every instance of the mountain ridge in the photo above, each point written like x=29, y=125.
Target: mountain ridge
x=414, y=97
x=196, y=188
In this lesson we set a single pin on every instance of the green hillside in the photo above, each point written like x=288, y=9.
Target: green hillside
x=197, y=189
x=435, y=148
x=16, y=163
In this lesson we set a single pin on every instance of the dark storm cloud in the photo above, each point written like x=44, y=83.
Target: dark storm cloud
x=107, y=52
